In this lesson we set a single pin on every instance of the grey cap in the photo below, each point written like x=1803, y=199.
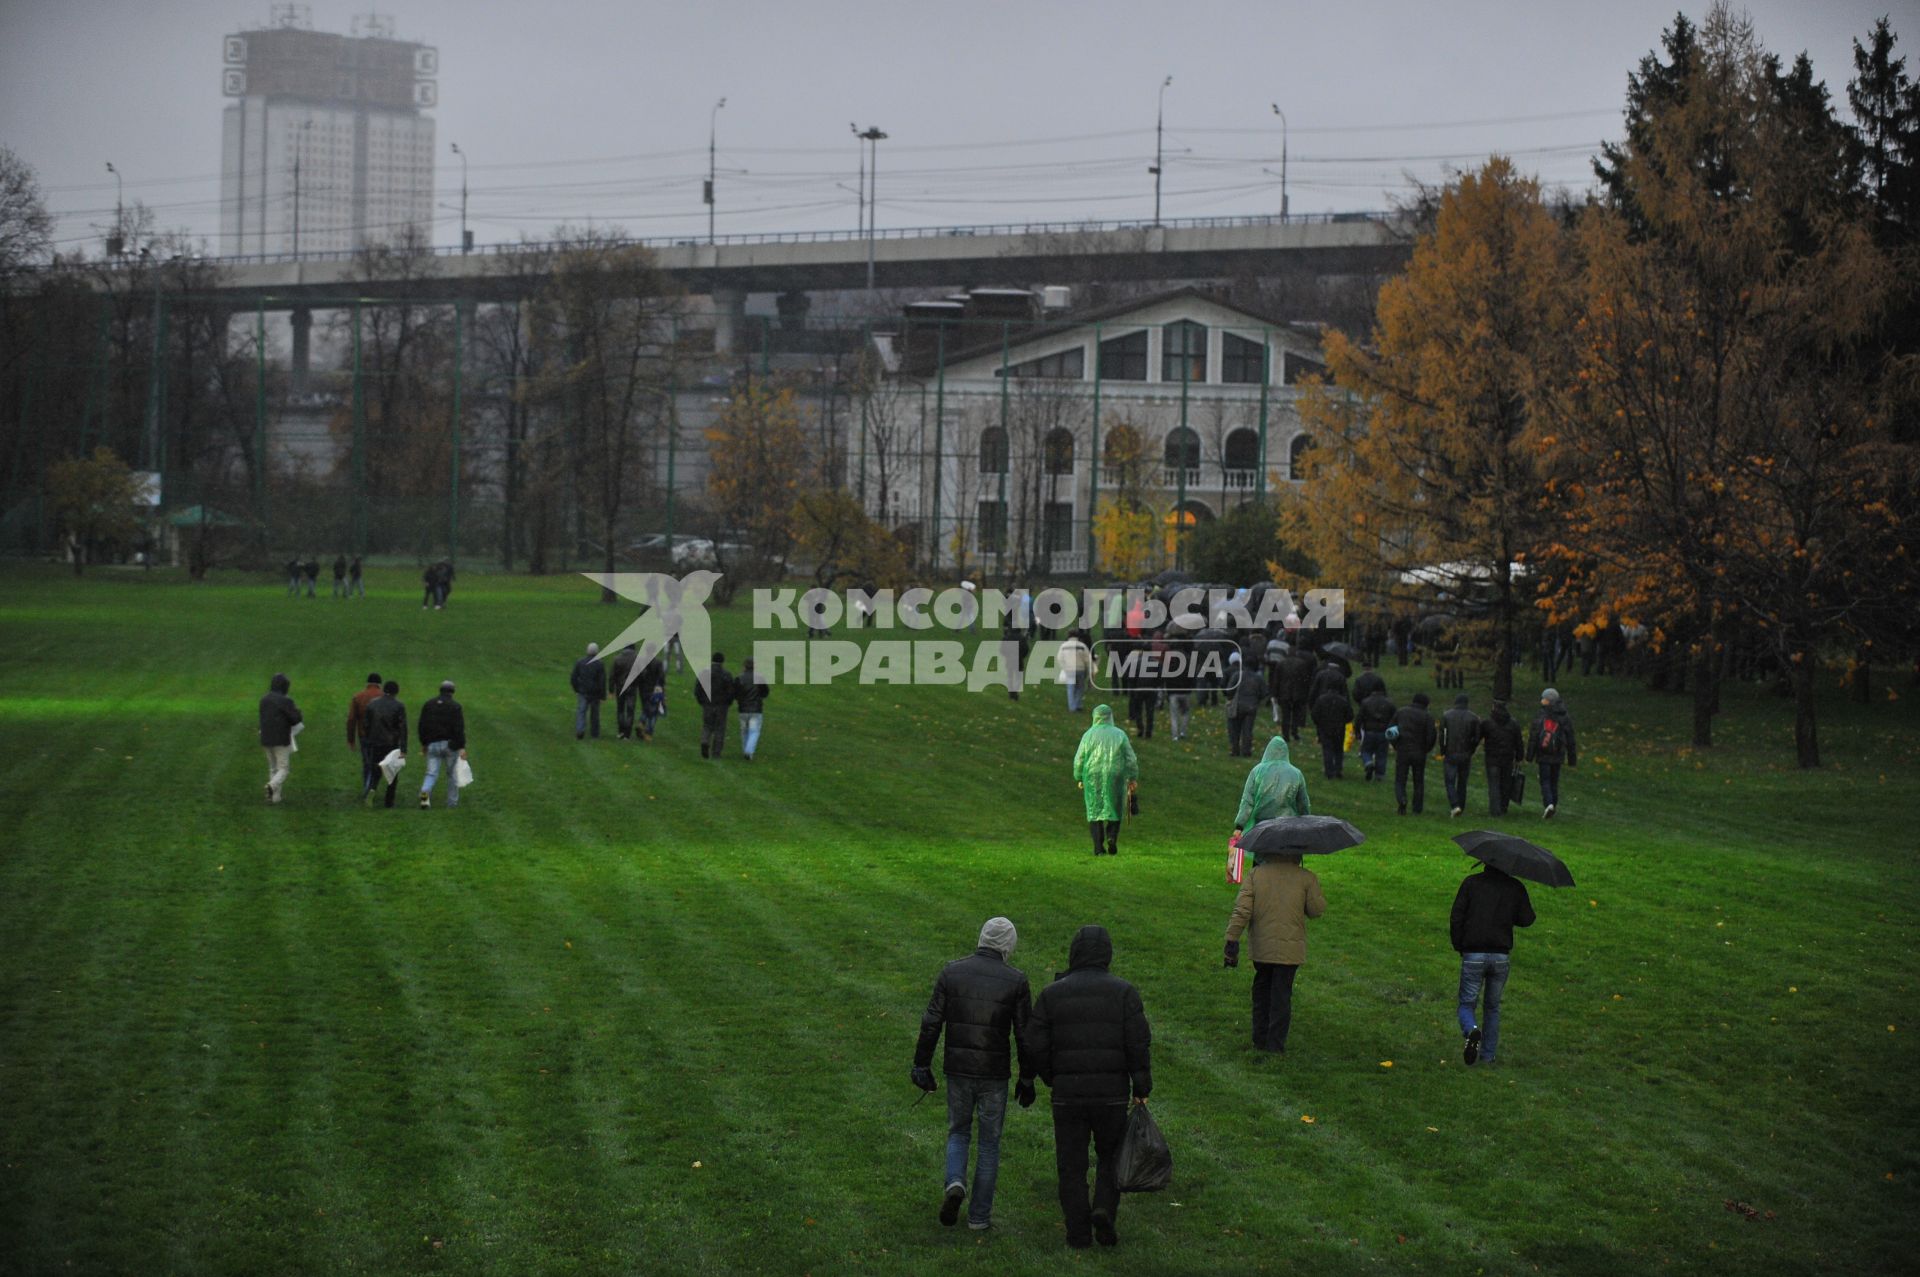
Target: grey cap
x=1550, y=695
x=593, y=649
x=998, y=934
x=446, y=685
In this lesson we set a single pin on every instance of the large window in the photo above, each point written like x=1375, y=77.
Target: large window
x=1243, y=450
x=1059, y=451
x=1057, y=527
x=1067, y=365
x=1242, y=362
x=1297, y=455
x=991, y=520
x=1124, y=358
x=1298, y=369
x=1183, y=449
x=1183, y=352
x=993, y=450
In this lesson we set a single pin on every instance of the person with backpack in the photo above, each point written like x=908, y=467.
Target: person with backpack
x=980, y=1001
x=1459, y=737
x=1505, y=744
x=1551, y=744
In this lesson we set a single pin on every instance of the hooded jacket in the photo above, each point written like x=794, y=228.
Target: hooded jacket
x=979, y=1000
x=1103, y=764
x=1552, y=738
x=278, y=714
x=1486, y=909
x=1089, y=1038
x=1273, y=906
x=1274, y=787
x=1502, y=738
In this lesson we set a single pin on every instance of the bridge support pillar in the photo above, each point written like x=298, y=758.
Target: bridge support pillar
x=729, y=317
x=300, y=357
x=793, y=308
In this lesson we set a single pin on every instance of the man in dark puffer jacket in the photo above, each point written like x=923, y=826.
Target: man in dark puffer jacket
x=1090, y=1041
x=978, y=1000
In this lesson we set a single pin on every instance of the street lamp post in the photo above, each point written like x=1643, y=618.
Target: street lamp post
x=299, y=145
x=713, y=124
x=116, y=242
x=873, y=137
x=466, y=236
x=1283, y=160
x=1159, y=137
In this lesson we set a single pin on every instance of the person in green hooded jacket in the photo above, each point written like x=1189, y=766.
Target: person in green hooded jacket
x=1274, y=787
x=1108, y=771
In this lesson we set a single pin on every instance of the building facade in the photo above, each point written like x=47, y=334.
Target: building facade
x=326, y=146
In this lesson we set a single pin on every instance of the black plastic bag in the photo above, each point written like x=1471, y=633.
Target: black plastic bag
x=1146, y=1164
x=1517, y=788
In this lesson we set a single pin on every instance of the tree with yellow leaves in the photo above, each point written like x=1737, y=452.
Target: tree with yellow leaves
x=1427, y=438
x=757, y=456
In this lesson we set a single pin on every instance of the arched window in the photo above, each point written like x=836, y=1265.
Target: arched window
x=1297, y=454
x=1183, y=449
x=1243, y=450
x=1059, y=451
x=993, y=450
x=1183, y=345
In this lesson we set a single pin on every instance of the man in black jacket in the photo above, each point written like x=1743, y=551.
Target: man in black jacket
x=978, y=1000
x=1294, y=680
x=443, y=735
x=589, y=683
x=1486, y=909
x=1551, y=744
x=1331, y=714
x=386, y=731
x=713, y=700
x=278, y=717
x=750, y=696
x=626, y=690
x=1243, y=706
x=1090, y=1041
x=1368, y=683
x=1459, y=737
x=339, y=576
x=1414, y=736
x=311, y=571
x=1370, y=722
x=1502, y=737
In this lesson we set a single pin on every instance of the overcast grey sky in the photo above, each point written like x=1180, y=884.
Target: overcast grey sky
x=996, y=111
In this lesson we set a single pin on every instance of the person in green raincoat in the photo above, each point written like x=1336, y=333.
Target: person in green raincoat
x=1107, y=770
x=1274, y=787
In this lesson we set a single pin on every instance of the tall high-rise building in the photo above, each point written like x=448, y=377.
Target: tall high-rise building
x=326, y=146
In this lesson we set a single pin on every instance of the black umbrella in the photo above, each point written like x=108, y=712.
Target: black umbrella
x=1214, y=634
x=1300, y=836
x=1437, y=623
x=1345, y=653
x=1516, y=856
x=1172, y=576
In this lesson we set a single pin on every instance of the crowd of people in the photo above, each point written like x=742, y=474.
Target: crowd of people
x=377, y=732
x=303, y=575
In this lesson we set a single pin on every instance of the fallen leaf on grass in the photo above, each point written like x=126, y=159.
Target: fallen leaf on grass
x=1434, y=1129
x=696, y=1166
x=1386, y=1064
x=1307, y=1118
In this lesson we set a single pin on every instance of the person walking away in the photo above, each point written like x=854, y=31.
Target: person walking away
x=1179, y=685
x=443, y=735
x=750, y=696
x=1294, y=680
x=980, y=1002
x=1486, y=909
x=1273, y=906
x=429, y=586
x=1274, y=787
x=340, y=576
x=589, y=683
x=1243, y=706
x=1413, y=741
x=444, y=583
x=1328, y=678
x=1276, y=655
x=1331, y=714
x=1144, y=685
x=653, y=696
x=1107, y=771
x=1460, y=733
x=713, y=700
x=1013, y=651
x=1091, y=1044
x=1075, y=662
x=293, y=577
x=357, y=737
x=1505, y=745
x=1551, y=744
x=626, y=690
x=311, y=570
x=1371, y=721
x=386, y=732
x=1368, y=683
x=356, y=580
x=278, y=717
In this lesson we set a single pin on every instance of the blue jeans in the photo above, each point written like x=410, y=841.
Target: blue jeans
x=749, y=732
x=965, y=1095
x=1373, y=754
x=441, y=754
x=1483, y=976
x=1549, y=784
x=586, y=709
x=1076, y=692
x=1456, y=776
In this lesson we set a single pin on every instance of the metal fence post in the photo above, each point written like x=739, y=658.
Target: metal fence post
x=453, y=497
x=359, y=443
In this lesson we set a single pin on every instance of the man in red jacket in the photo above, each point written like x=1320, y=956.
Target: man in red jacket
x=357, y=730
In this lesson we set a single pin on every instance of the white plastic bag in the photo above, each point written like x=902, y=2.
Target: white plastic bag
x=390, y=765
x=293, y=740
x=462, y=773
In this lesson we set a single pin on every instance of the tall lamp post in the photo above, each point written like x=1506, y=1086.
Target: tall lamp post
x=873, y=137
x=1283, y=160
x=466, y=236
x=1159, y=136
x=860, y=195
x=299, y=145
x=116, y=242
x=713, y=124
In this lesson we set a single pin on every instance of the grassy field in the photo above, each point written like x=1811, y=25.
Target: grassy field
x=627, y=1010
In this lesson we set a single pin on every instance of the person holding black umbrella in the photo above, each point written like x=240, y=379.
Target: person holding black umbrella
x=1486, y=909
x=1274, y=904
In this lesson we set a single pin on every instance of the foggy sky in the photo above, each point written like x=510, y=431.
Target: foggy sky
x=996, y=112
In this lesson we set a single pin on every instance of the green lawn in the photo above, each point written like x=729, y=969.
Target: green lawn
x=626, y=1010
